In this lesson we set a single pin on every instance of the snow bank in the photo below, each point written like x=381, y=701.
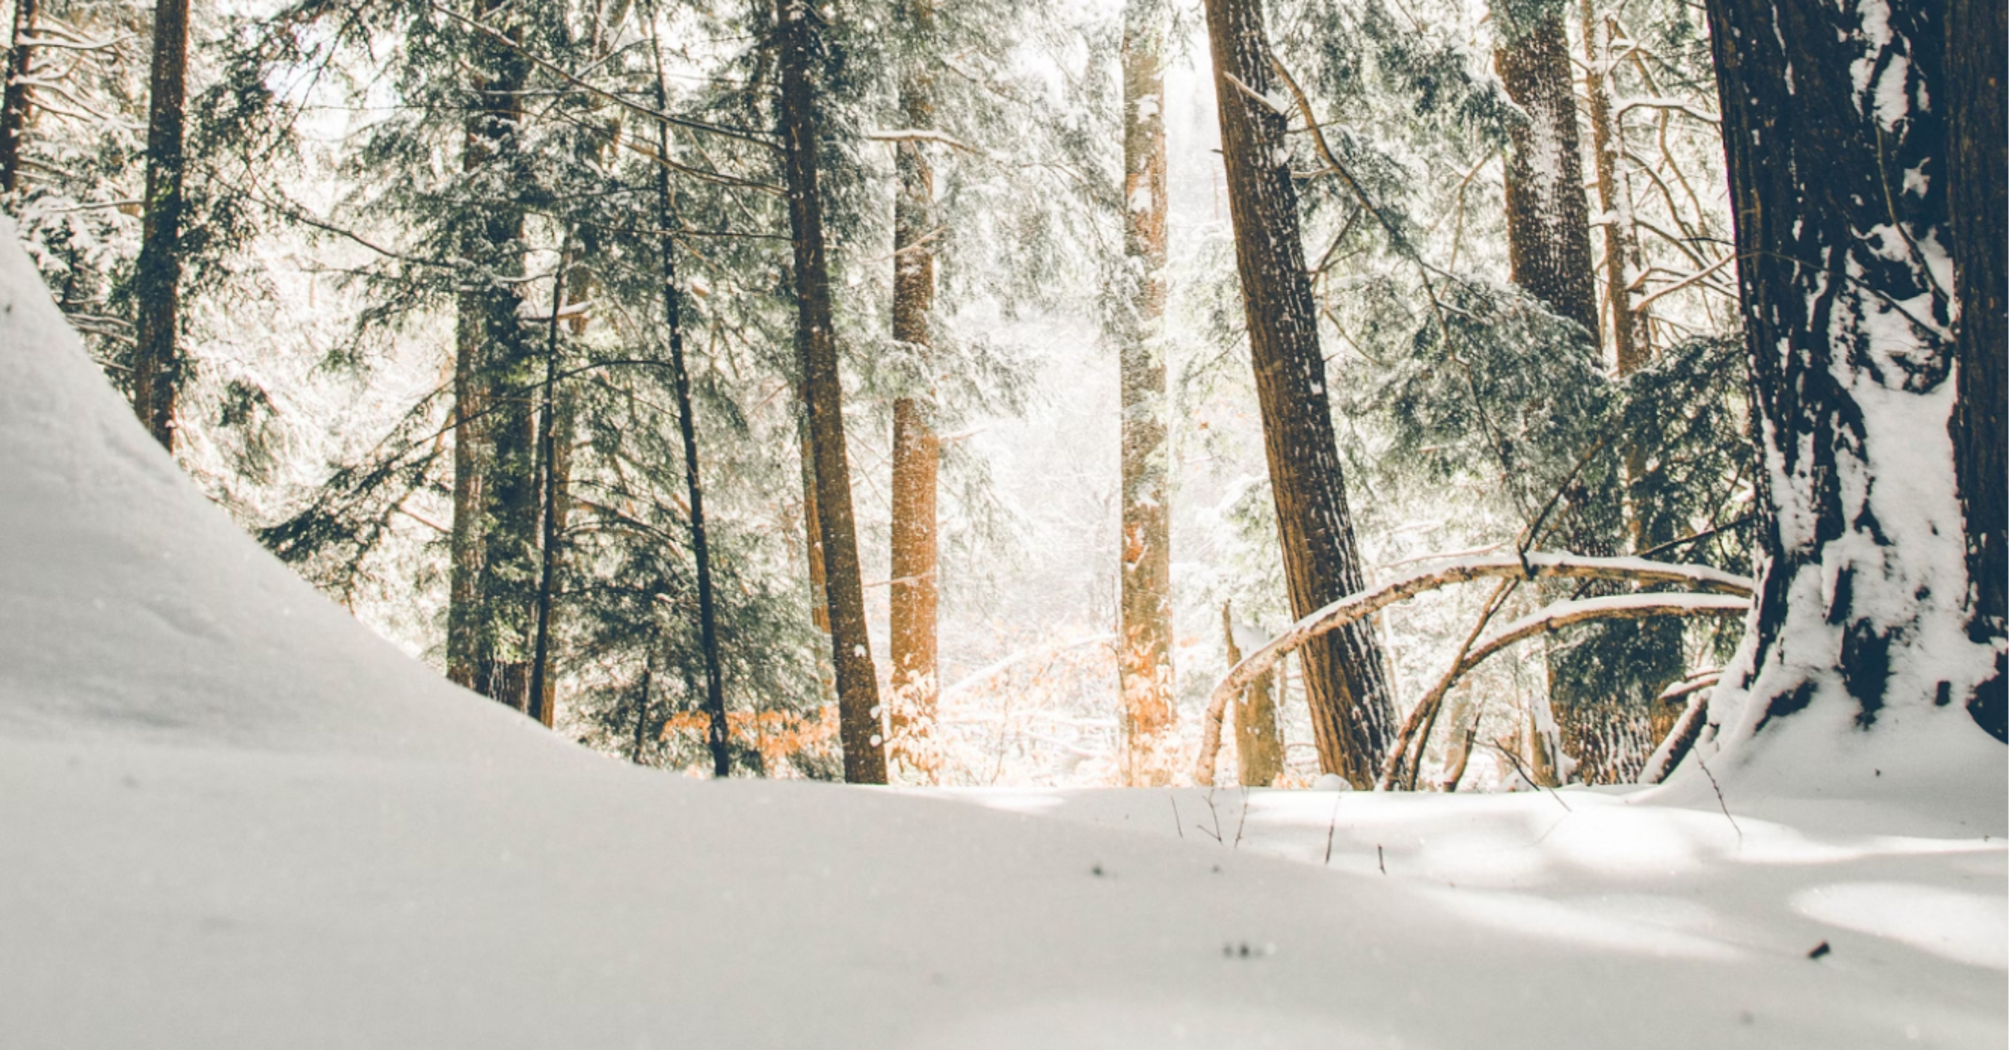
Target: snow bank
x=229, y=817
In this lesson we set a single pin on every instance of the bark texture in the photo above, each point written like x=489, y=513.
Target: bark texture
x=495, y=556
x=799, y=34
x=1346, y=680
x=1259, y=747
x=157, y=361
x=1630, y=349
x=1145, y=661
x=1549, y=233
x=1835, y=134
x=19, y=95
x=1975, y=174
x=916, y=452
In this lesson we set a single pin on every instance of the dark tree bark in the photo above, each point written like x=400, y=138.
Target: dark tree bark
x=799, y=28
x=916, y=451
x=495, y=551
x=687, y=426
x=157, y=361
x=1145, y=662
x=1347, y=689
x=1975, y=180
x=19, y=96
x=1836, y=140
x=1549, y=233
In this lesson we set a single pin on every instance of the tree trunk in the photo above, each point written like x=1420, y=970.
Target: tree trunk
x=1549, y=233
x=543, y=687
x=799, y=26
x=19, y=96
x=701, y=552
x=1145, y=662
x=1622, y=244
x=495, y=562
x=1837, y=150
x=157, y=362
x=1259, y=748
x=1346, y=681
x=916, y=452
x=1975, y=165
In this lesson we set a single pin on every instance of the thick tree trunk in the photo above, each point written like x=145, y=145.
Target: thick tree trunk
x=1346, y=681
x=1259, y=747
x=19, y=95
x=1975, y=181
x=157, y=362
x=1145, y=662
x=799, y=25
x=1549, y=233
x=1836, y=140
x=916, y=452
x=813, y=545
x=1622, y=245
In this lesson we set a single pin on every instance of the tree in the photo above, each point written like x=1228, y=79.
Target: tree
x=19, y=94
x=799, y=30
x=1975, y=163
x=1549, y=235
x=157, y=361
x=916, y=451
x=1836, y=136
x=1346, y=680
x=1144, y=661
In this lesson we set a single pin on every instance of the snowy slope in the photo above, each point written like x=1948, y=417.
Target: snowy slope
x=229, y=817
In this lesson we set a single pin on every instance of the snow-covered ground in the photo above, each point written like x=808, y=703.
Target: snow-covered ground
x=231, y=817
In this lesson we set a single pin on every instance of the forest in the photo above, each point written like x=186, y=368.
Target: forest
x=1304, y=409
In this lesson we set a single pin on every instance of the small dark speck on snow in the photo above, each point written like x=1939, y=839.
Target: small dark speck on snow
x=1096, y=870
x=1819, y=950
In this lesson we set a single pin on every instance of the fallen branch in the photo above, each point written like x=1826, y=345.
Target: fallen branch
x=1534, y=565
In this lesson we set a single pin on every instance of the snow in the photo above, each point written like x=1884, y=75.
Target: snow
x=231, y=817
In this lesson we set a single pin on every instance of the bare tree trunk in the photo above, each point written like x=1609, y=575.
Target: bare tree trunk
x=799, y=25
x=1861, y=609
x=1549, y=233
x=1346, y=680
x=1259, y=748
x=1145, y=660
x=916, y=452
x=157, y=361
x=19, y=96
x=1622, y=246
x=543, y=690
x=1976, y=134
x=820, y=615
x=701, y=555
x=494, y=562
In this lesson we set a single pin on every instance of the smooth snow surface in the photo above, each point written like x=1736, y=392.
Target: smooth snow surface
x=230, y=817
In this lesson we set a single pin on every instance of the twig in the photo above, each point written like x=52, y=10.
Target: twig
x=1330, y=822
x=1177, y=824
x=1720, y=800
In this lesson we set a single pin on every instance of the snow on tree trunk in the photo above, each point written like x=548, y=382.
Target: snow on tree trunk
x=157, y=363
x=816, y=347
x=1622, y=244
x=1144, y=663
x=916, y=452
x=1857, y=652
x=1976, y=159
x=1259, y=746
x=1347, y=688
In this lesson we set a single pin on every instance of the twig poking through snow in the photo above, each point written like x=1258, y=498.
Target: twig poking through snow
x=1330, y=821
x=1720, y=801
x=1177, y=825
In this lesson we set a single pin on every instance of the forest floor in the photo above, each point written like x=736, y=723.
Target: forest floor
x=231, y=817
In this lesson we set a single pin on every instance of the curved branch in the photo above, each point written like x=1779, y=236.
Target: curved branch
x=1362, y=604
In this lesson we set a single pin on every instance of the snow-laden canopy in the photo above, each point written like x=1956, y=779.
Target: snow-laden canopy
x=230, y=817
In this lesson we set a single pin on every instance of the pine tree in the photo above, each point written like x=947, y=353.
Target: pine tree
x=157, y=357
x=1346, y=681
x=1835, y=130
x=799, y=28
x=1145, y=624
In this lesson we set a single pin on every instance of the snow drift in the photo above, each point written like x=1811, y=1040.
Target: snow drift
x=230, y=817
